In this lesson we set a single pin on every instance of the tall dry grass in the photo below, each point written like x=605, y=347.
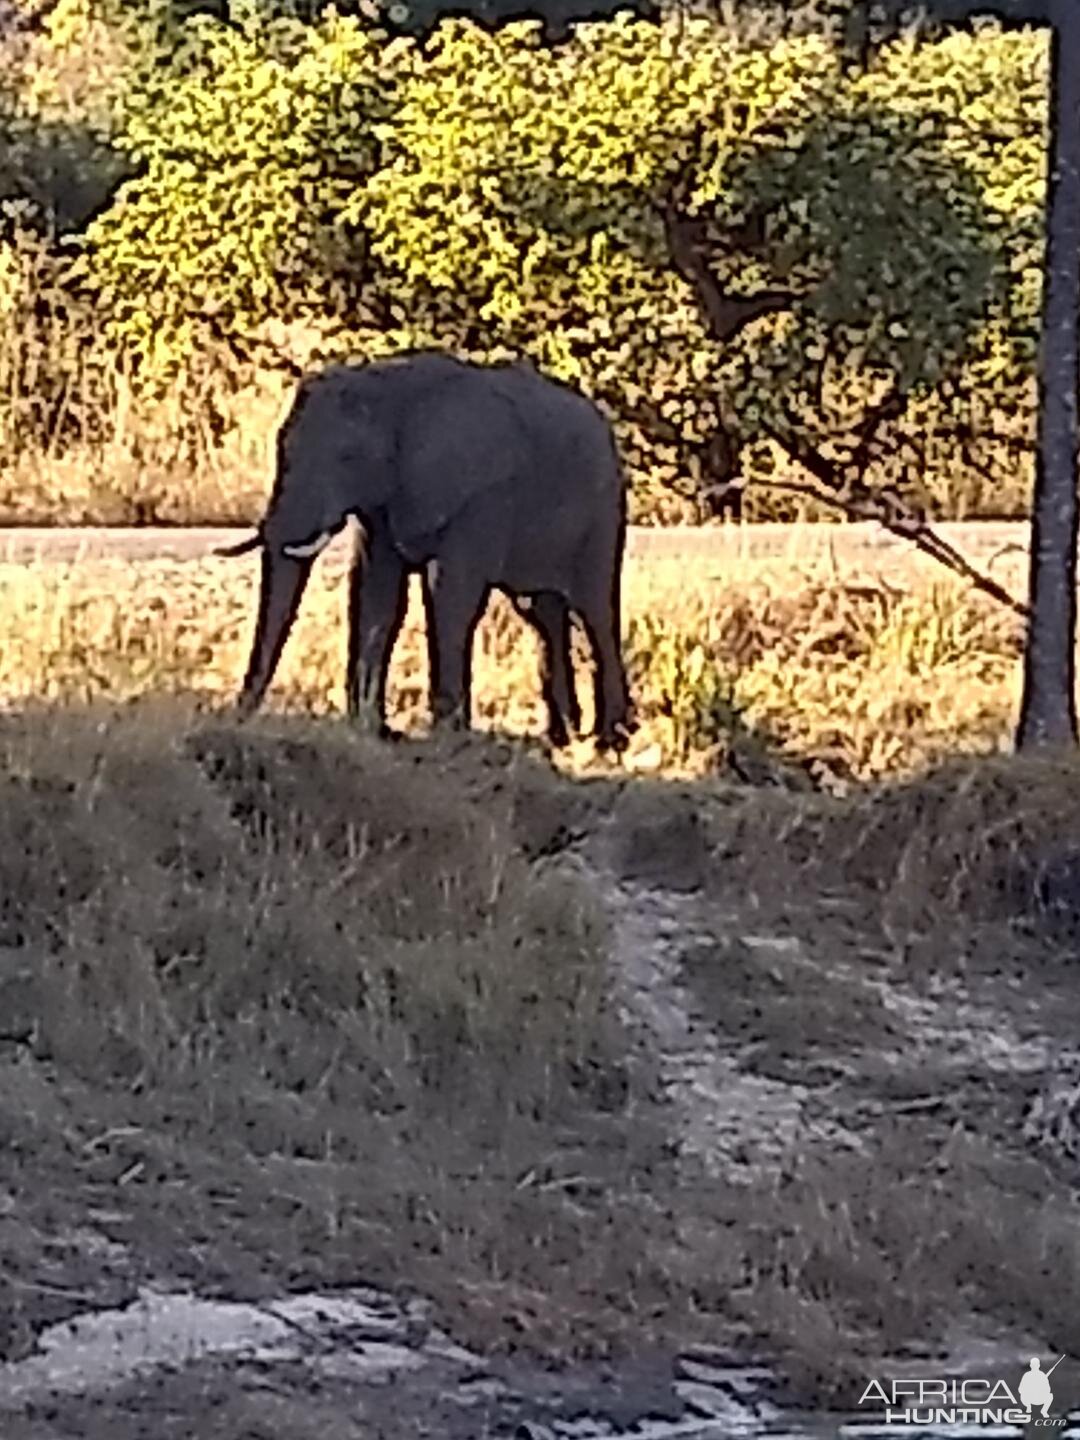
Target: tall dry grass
x=283, y=1007
x=850, y=680
x=85, y=438
x=313, y=1004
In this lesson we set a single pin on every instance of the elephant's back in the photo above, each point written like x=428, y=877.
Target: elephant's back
x=395, y=381
x=569, y=433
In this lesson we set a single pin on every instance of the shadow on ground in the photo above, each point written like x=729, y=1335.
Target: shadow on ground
x=598, y=1070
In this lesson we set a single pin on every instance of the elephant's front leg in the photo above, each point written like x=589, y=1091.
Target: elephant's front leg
x=454, y=598
x=378, y=598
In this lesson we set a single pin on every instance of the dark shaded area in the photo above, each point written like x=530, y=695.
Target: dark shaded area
x=243, y=1060
x=419, y=17
x=861, y=26
x=67, y=173
x=977, y=843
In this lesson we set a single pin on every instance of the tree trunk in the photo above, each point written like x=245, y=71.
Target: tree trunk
x=1048, y=708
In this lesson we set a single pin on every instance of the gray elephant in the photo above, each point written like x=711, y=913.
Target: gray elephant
x=479, y=476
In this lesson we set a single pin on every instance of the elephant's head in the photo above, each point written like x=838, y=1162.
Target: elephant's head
x=332, y=462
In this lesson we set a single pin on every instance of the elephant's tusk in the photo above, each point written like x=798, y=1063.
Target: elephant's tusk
x=311, y=549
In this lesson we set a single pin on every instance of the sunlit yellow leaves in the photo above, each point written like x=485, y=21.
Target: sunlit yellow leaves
x=250, y=143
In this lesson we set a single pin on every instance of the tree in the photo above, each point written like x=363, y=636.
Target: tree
x=1048, y=709
x=1048, y=706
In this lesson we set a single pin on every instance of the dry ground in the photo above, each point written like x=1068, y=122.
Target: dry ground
x=285, y=1009
x=884, y=991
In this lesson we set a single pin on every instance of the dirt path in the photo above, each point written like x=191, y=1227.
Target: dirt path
x=350, y=1363
x=736, y=1123
x=780, y=1051
x=864, y=544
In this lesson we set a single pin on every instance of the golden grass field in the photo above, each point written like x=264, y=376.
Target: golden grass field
x=852, y=676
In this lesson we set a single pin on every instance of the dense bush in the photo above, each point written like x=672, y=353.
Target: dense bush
x=487, y=192
x=249, y=144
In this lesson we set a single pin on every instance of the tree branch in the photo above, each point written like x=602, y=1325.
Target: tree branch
x=648, y=416
x=247, y=351
x=727, y=314
x=886, y=508
x=687, y=240
x=891, y=408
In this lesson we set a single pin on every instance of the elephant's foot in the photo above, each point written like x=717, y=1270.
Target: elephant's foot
x=613, y=742
x=616, y=735
x=449, y=719
x=558, y=735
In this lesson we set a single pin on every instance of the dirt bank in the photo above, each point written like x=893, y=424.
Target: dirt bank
x=580, y=1076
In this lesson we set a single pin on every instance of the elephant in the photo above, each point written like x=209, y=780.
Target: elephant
x=479, y=476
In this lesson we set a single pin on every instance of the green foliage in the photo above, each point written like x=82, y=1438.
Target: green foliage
x=522, y=188
x=688, y=698
x=488, y=193
x=249, y=142
x=55, y=130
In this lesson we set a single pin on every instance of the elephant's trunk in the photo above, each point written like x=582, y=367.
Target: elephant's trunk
x=243, y=547
x=280, y=590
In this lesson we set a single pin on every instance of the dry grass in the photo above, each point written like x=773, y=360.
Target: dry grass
x=83, y=441
x=126, y=462
x=292, y=1008
x=283, y=1007
x=280, y=1008
x=905, y=956
x=850, y=680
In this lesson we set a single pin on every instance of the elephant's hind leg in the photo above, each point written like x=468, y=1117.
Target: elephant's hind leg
x=549, y=614
x=378, y=597
x=599, y=609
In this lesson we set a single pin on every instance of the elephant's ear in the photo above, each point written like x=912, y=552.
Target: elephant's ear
x=333, y=459
x=462, y=442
